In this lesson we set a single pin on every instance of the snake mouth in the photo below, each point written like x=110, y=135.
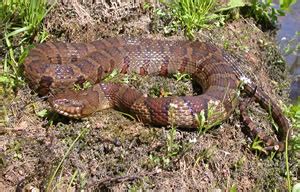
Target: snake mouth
x=67, y=107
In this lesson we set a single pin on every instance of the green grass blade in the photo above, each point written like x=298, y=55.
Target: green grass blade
x=20, y=30
x=81, y=134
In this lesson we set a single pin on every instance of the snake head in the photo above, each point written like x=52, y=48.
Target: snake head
x=67, y=107
x=77, y=104
x=74, y=104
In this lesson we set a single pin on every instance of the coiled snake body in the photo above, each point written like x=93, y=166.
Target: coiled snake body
x=55, y=67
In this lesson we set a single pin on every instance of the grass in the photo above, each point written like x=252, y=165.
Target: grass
x=182, y=76
x=59, y=167
x=293, y=112
x=188, y=15
x=215, y=112
x=292, y=145
x=264, y=12
x=21, y=26
x=3, y=111
x=171, y=150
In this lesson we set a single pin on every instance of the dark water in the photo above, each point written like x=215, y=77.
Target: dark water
x=287, y=37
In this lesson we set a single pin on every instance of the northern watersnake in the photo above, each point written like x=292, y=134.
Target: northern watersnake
x=55, y=67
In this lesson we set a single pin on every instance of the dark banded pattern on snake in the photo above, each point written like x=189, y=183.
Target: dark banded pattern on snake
x=55, y=67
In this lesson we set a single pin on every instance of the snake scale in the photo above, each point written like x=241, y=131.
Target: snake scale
x=55, y=67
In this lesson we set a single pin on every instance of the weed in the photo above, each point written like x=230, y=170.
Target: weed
x=127, y=115
x=188, y=15
x=24, y=17
x=130, y=77
x=82, y=180
x=240, y=163
x=42, y=113
x=22, y=25
x=216, y=111
x=257, y=145
x=293, y=112
x=292, y=145
x=205, y=154
x=213, y=117
x=182, y=76
x=59, y=167
x=191, y=15
x=112, y=77
x=159, y=91
x=146, y=6
x=16, y=147
x=292, y=46
x=84, y=86
x=286, y=4
x=264, y=12
x=72, y=180
x=271, y=119
x=233, y=188
x=3, y=110
x=172, y=146
x=161, y=160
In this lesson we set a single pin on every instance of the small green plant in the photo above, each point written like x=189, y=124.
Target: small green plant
x=204, y=154
x=131, y=77
x=3, y=110
x=16, y=148
x=84, y=86
x=72, y=180
x=147, y=6
x=192, y=15
x=172, y=146
x=292, y=146
x=59, y=168
x=21, y=22
x=292, y=46
x=263, y=11
x=286, y=4
x=213, y=117
x=216, y=110
x=113, y=76
x=257, y=145
x=233, y=188
x=159, y=91
x=182, y=76
x=293, y=112
x=188, y=15
x=24, y=17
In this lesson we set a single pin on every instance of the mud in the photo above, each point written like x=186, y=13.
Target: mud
x=114, y=152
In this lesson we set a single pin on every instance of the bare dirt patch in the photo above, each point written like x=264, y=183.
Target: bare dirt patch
x=109, y=151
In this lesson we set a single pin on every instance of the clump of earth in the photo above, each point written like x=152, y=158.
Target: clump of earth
x=111, y=151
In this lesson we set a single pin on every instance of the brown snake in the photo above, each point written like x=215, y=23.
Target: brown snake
x=56, y=67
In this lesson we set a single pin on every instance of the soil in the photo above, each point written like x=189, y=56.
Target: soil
x=110, y=151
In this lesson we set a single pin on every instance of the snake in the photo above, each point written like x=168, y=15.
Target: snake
x=55, y=67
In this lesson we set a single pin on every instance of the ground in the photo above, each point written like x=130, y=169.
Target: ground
x=110, y=151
